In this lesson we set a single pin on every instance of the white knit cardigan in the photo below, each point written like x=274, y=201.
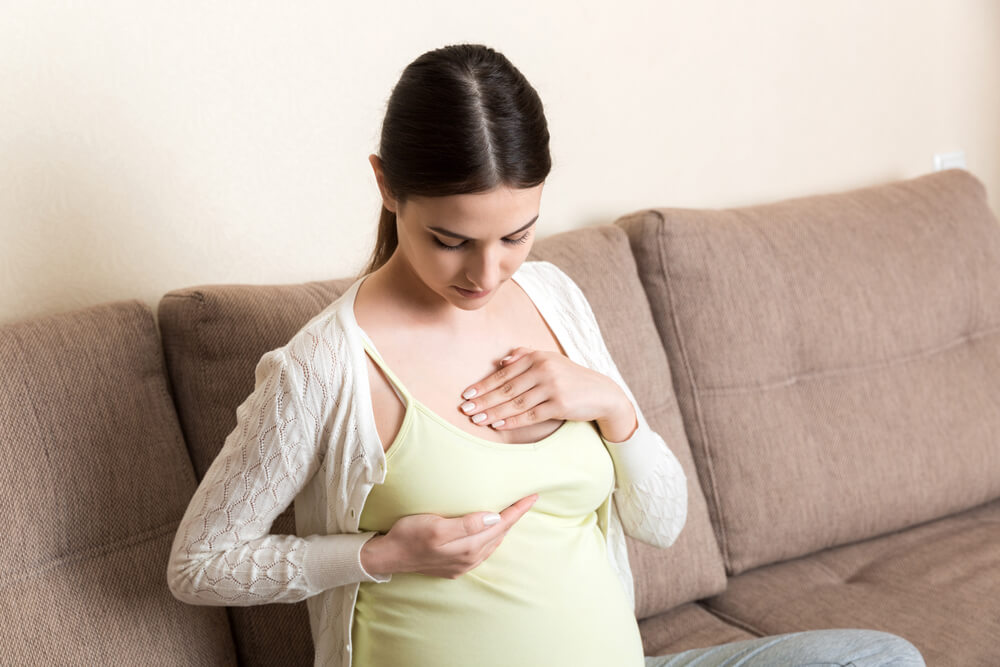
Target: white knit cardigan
x=307, y=434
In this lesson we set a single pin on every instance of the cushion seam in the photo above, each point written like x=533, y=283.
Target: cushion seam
x=848, y=370
x=202, y=376
x=101, y=549
x=732, y=620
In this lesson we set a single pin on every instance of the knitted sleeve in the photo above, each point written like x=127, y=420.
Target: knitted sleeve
x=222, y=553
x=651, y=487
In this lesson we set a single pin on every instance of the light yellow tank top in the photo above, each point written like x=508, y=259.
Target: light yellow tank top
x=546, y=597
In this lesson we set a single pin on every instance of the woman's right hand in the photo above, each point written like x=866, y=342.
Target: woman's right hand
x=433, y=545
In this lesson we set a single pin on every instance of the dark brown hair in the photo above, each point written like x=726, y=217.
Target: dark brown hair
x=461, y=119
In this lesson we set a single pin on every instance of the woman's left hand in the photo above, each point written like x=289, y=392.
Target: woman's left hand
x=534, y=386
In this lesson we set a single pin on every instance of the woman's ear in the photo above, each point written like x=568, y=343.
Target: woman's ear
x=387, y=199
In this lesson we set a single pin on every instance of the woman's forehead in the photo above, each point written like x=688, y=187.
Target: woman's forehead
x=506, y=209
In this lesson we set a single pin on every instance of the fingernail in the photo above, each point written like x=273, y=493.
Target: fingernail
x=509, y=356
x=478, y=418
x=469, y=393
x=491, y=519
x=468, y=407
x=498, y=422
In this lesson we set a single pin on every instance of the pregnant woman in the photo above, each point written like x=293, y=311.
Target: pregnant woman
x=464, y=457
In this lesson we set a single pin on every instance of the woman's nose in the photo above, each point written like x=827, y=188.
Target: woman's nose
x=484, y=271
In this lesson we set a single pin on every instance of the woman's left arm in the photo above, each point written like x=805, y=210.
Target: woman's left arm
x=650, y=484
x=651, y=487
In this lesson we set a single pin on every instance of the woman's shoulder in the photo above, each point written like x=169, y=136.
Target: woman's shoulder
x=323, y=346
x=333, y=318
x=546, y=275
x=561, y=300
x=552, y=284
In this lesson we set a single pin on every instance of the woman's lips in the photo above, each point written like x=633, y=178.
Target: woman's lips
x=471, y=295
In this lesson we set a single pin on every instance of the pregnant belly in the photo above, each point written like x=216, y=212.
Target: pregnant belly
x=547, y=597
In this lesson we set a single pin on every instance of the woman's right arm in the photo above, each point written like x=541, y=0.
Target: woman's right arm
x=222, y=553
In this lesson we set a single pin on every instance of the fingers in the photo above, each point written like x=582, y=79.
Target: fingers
x=514, y=512
x=515, y=394
x=518, y=396
x=532, y=407
x=515, y=354
x=475, y=540
x=473, y=524
x=508, y=368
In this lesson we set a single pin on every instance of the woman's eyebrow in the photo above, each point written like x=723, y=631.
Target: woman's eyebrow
x=439, y=230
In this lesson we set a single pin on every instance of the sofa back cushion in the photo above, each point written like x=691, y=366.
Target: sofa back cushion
x=836, y=358
x=96, y=479
x=214, y=335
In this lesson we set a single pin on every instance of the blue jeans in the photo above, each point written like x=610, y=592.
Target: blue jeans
x=843, y=648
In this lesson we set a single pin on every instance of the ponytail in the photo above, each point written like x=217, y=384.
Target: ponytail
x=385, y=242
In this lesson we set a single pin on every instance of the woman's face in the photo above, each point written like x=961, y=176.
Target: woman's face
x=470, y=242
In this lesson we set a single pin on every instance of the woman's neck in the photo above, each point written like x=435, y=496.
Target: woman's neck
x=396, y=285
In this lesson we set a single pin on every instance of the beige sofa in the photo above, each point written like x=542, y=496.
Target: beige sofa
x=826, y=368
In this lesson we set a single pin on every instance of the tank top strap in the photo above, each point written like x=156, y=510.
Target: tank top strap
x=394, y=382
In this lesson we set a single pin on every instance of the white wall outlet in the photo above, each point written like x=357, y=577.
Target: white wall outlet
x=954, y=160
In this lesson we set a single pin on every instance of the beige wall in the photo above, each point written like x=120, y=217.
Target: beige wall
x=146, y=146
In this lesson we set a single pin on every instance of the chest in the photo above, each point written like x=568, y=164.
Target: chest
x=435, y=369
x=434, y=366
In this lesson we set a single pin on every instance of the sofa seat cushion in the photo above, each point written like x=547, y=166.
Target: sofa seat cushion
x=686, y=627
x=836, y=358
x=936, y=584
x=96, y=479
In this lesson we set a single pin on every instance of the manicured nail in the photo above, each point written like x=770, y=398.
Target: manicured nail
x=469, y=393
x=491, y=519
x=480, y=417
x=509, y=356
x=498, y=422
x=468, y=407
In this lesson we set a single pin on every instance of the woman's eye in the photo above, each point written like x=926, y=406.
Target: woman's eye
x=446, y=246
x=522, y=239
